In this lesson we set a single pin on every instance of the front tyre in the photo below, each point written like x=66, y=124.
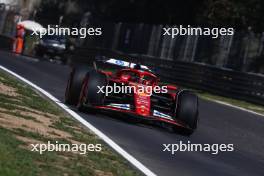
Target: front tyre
x=187, y=109
x=74, y=85
x=90, y=94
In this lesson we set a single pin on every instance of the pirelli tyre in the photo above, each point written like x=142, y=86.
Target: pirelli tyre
x=187, y=109
x=90, y=93
x=74, y=84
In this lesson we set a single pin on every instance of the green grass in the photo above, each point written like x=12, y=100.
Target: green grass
x=16, y=158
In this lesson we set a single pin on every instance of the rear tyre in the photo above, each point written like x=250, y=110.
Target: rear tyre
x=74, y=85
x=90, y=93
x=187, y=109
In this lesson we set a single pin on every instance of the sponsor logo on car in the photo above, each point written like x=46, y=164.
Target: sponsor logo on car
x=121, y=106
x=162, y=115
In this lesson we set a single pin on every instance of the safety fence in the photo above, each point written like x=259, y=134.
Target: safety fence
x=242, y=51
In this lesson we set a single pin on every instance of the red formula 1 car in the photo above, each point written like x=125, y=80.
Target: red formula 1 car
x=133, y=91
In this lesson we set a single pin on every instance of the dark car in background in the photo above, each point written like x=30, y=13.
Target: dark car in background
x=52, y=46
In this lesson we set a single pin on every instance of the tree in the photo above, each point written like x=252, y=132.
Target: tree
x=234, y=13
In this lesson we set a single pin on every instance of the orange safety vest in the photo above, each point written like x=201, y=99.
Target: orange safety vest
x=19, y=45
x=19, y=41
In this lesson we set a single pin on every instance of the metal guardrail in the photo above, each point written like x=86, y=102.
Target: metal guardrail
x=233, y=84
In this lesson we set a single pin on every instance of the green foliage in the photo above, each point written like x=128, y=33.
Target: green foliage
x=241, y=14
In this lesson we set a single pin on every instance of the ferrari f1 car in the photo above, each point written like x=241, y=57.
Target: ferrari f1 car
x=175, y=107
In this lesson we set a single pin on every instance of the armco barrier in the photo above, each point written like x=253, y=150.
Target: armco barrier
x=229, y=83
x=239, y=85
x=6, y=43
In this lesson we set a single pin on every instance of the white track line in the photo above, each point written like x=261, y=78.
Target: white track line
x=105, y=138
x=230, y=105
x=235, y=107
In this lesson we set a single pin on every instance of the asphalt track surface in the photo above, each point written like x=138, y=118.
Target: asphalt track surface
x=218, y=124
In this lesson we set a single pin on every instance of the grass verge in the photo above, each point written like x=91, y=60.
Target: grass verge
x=27, y=118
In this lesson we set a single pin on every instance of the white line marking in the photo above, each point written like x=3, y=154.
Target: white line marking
x=105, y=138
x=234, y=106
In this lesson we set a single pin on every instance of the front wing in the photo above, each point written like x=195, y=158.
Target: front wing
x=157, y=116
